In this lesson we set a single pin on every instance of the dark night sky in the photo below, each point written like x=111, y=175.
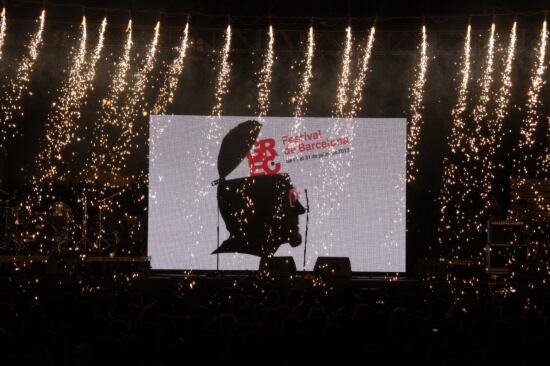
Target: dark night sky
x=327, y=8
x=287, y=8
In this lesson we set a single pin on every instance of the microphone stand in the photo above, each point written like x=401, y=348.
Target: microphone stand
x=307, y=224
x=101, y=205
x=218, y=239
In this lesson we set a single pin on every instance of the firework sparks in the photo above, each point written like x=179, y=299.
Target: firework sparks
x=171, y=82
x=206, y=160
x=126, y=113
x=450, y=167
x=19, y=84
x=336, y=169
x=65, y=113
x=343, y=81
x=495, y=124
x=168, y=89
x=475, y=137
x=460, y=107
x=60, y=121
x=417, y=108
x=545, y=159
x=60, y=127
x=480, y=111
x=468, y=183
x=264, y=85
x=91, y=66
x=107, y=113
x=222, y=83
x=304, y=91
x=357, y=94
x=529, y=124
x=530, y=162
x=2, y=30
x=222, y=88
x=119, y=83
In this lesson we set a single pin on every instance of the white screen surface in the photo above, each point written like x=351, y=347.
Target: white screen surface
x=353, y=171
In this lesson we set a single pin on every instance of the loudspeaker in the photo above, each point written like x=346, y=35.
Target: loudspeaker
x=279, y=266
x=332, y=267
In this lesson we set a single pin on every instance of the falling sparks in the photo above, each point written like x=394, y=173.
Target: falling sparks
x=118, y=84
x=342, y=166
x=166, y=93
x=336, y=170
x=127, y=112
x=66, y=112
x=460, y=107
x=19, y=84
x=304, y=89
x=61, y=120
x=529, y=123
x=503, y=98
x=417, y=108
x=467, y=191
x=222, y=83
x=359, y=85
x=495, y=124
x=91, y=67
x=480, y=111
x=343, y=81
x=450, y=166
x=222, y=88
x=2, y=30
x=205, y=155
x=531, y=163
x=108, y=112
x=264, y=86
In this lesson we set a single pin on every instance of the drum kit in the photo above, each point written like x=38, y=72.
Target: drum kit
x=55, y=231
x=10, y=215
x=33, y=232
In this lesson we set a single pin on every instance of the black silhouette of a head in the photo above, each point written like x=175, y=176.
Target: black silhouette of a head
x=260, y=212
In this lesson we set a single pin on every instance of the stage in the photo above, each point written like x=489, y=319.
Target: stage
x=44, y=276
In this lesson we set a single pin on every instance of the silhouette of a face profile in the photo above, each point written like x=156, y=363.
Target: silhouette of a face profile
x=260, y=212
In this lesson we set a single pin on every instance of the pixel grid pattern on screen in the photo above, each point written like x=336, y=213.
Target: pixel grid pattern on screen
x=352, y=170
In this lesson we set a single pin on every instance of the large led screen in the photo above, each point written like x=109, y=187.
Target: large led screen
x=225, y=192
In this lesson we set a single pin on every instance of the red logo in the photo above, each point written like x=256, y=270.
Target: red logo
x=293, y=197
x=261, y=160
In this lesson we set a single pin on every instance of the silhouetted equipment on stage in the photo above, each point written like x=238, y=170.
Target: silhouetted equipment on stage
x=10, y=217
x=67, y=225
x=70, y=264
x=530, y=199
x=260, y=212
x=279, y=266
x=506, y=245
x=333, y=267
x=60, y=214
x=104, y=265
x=61, y=219
x=105, y=242
x=515, y=242
x=84, y=243
x=503, y=231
